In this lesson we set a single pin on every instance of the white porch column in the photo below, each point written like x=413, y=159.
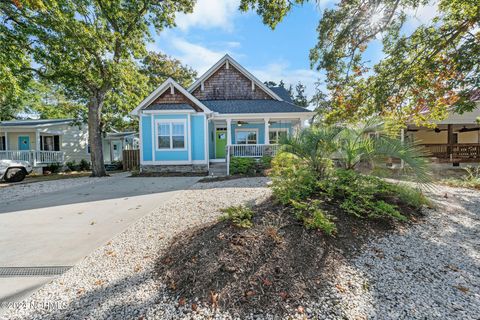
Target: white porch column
x=37, y=140
x=267, y=131
x=36, y=154
x=229, y=132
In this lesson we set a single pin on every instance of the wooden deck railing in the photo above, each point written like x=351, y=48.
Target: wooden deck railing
x=454, y=153
x=34, y=157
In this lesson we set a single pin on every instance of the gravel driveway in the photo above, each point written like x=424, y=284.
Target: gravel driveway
x=430, y=270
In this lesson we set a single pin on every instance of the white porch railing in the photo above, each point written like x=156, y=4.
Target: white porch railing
x=34, y=157
x=250, y=151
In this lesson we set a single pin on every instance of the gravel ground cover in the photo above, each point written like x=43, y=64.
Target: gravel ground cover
x=427, y=270
x=22, y=190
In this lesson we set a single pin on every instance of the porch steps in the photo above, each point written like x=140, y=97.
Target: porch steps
x=218, y=169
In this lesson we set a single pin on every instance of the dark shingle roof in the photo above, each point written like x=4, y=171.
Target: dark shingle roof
x=282, y=93
x=169, y=106
x=251, y=106
x=37, y=122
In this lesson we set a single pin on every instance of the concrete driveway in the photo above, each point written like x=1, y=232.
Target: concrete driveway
x=60, y=228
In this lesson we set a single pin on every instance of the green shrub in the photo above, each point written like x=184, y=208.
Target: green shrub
x=245, y=166
x=313, y=216
x=53, y=167
x=266, y=162
x=291, y=179
x=410, y=196
x=240, y=216
x=84, y=165
x=72, y=165
x=362, y=195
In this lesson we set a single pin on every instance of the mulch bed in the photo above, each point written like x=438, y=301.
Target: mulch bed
x=261, y=269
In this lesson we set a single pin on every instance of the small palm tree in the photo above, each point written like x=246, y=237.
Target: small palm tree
x=350, y=146
x=315, y=146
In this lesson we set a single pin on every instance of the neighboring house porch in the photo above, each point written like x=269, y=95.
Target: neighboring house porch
x=454, y=140
x=42, y=142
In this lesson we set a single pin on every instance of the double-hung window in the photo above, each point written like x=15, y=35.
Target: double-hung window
x=246, y=136
x=171, y=135
x=276, y=135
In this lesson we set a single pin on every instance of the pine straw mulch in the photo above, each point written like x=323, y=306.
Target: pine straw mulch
x=262, y=269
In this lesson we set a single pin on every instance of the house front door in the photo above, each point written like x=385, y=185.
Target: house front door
x=116, y=150
x=220, y=143
x=23, y=143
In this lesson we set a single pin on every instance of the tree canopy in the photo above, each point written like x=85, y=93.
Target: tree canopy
x=422, y=74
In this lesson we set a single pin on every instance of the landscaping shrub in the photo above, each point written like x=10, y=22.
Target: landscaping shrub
x=240, y=216
x=292, y=179
x=313, y=216
x=53, y=167
x=72, y=165
x=266, y=162
x=366, y=196
x=245, y=166
x=84, y=165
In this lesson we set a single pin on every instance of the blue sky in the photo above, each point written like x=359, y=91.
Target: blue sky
x=217, y=27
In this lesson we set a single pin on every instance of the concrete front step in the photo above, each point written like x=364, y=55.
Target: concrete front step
x=218, y=169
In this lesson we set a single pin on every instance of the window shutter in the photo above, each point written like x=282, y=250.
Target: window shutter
x=56, y=143
x=2, y=143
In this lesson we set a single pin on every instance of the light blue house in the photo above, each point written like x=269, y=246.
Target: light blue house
x=226, y=112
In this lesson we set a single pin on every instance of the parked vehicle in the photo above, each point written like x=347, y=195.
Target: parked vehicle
x=14, y=171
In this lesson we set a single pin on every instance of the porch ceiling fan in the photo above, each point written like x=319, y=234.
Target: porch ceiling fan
x=465, y=129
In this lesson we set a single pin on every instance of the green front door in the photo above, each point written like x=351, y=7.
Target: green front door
x=220, y=143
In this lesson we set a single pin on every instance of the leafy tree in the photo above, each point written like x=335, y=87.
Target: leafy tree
x=422, y=74
x=13, y=83
x=91, y=48
x=158, y=67
x=49, y=101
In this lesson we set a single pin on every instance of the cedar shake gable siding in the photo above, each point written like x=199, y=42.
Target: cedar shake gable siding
x=175, y=98
x=229, y=84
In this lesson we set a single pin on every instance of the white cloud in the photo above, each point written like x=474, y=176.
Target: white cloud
x=421, y=15
x=196, y=56
x=210, y=14
x=281, y=71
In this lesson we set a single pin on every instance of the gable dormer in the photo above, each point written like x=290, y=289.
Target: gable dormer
x=228, y=80
x=170, y=96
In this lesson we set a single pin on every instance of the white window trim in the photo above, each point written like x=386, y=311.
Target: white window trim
x=170, y=122
x=247, y=129
x=276, y=130
x=43, y=136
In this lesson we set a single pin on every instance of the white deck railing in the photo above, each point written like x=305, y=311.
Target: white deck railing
x=34, y=157
x=250, y=151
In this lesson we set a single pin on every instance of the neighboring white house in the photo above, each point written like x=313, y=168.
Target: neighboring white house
x=115, y=142
x=43, y=142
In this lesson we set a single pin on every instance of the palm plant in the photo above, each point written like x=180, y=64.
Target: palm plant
x=314, y=146
x=351, y=146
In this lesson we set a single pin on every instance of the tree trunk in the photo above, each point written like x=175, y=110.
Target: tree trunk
x=95, y=134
